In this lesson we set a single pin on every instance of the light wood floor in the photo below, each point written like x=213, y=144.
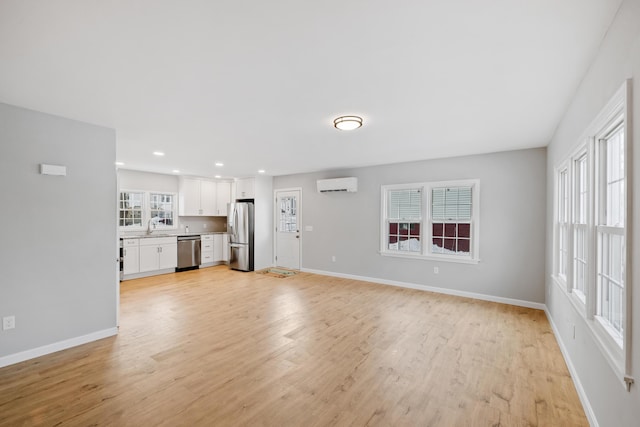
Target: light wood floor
x=215, y=347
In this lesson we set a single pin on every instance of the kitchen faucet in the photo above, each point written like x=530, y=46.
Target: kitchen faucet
x=149, y=229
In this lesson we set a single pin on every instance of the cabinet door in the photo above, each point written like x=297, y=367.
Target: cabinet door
x=245, y=188
x=168, y=256
x=225, y=247
x=131, y=260
x=217, y=247
x=208, y=198
x=148, y=258
x=189, y=197
x=223, y=197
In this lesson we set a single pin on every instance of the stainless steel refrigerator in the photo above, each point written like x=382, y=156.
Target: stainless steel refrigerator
x=240, y=222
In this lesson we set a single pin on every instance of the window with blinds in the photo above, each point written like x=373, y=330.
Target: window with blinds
x=404, y=216
x=441, y=214
x=451, y=220
x=405, y=204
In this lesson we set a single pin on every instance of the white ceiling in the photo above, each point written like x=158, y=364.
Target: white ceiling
x=257, y=84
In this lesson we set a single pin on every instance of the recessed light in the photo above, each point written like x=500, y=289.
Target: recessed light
x=217, y=176
x=261, y=170
x=219, y=164
x=119, y=164
x=176, y=171
x=347, y=122
x=158, y=153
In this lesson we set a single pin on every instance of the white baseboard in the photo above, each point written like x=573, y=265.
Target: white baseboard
x=591, y=416
x=483, y=297
x=56, y=346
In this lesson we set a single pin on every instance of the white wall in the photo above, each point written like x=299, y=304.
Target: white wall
x=512, y=223
x=58, y=253
x=618, y=59
x=147, y=181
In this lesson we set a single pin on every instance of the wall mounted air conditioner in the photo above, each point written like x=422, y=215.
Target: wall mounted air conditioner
x=349, y=184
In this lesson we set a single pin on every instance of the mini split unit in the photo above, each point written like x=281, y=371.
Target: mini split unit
x=349, y=185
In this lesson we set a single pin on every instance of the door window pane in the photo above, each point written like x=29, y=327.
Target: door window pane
x=288, y=215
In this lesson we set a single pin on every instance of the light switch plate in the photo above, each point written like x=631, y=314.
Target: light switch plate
x=308, y=228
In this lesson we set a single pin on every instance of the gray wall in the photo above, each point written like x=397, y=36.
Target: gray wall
x=263, y=251
x=58, y=252
x=512, y=215
x=617, y=60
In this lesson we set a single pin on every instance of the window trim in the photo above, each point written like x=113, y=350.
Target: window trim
x=565, y=203
x=174, y=210
x=615, y=113
x=146, y=210
x=426, y=221
x=142, y=210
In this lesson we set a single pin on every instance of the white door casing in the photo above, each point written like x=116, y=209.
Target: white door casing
x=287, y=227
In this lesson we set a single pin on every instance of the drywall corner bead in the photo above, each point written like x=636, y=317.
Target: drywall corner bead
x=53, y=170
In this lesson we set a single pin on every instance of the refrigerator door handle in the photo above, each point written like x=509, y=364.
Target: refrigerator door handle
x=231, y=224
x=235, y=220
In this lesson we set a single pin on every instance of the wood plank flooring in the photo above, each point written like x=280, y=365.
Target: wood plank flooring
x=215, y=347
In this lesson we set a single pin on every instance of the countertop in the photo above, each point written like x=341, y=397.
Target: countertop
x=161, y=234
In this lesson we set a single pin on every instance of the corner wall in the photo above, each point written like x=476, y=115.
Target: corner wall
x=58, y=254
x=607, y=401
x=512, y=221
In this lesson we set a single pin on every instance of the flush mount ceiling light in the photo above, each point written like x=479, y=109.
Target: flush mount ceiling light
x=261, y=171
x=347, y=122
x=219, y=164
x=158, y=153
x=119, y=164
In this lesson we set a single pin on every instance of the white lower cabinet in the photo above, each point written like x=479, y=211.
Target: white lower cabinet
x=220, y=248
x=214, y=248
x=206, y=249
x=130, y=256
x=158, y=253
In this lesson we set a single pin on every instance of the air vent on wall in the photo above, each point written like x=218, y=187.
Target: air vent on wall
x=349, y=184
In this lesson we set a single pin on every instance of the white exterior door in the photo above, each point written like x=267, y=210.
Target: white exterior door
x=288, y=229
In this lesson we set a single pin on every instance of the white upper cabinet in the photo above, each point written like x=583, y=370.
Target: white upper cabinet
x=208, y=198
x=245, y=188
x=223, y=197
x=203, y=197
x=189, y=197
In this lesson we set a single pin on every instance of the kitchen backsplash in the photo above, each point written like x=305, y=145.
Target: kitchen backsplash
x=202, y=223
x=197, y=224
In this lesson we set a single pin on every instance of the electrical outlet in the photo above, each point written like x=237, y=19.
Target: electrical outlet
x=436, y=270
x=8, y=322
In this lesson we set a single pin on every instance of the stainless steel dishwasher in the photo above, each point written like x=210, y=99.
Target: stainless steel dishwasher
x=188, y=253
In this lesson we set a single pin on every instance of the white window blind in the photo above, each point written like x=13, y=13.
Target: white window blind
x=405, y=204
x=451, y=204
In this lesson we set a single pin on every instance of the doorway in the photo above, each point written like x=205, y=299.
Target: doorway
x=287, y=228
